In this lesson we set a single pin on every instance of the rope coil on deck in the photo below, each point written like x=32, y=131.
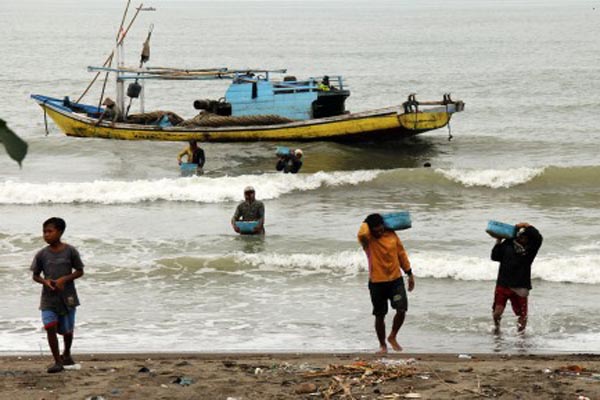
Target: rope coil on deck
x=212, y=120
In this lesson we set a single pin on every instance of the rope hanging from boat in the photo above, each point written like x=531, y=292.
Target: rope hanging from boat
x=449, y=128
x=46, y=118
x=447, y=101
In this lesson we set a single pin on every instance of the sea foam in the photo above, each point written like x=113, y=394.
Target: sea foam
x=493, y=178
x=197, y=189
x=437, y=265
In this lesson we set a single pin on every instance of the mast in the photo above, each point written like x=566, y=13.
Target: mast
x=120, y=82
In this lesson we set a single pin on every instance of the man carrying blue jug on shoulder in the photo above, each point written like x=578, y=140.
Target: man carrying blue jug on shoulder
x=514, y=275
x=387, y=262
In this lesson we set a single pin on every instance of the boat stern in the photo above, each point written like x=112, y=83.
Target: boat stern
x=423, y=116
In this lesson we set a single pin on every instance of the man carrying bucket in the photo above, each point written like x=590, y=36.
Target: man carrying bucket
x=249, y=210
x=514, y=275
x=290, y=162
x=387, y=260
x=194, y=155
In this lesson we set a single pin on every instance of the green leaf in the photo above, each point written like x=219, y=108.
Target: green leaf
x=15, y=146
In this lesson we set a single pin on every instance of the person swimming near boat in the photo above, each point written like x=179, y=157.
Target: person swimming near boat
x=194, y=155
x=111, y=112
x=291, y=162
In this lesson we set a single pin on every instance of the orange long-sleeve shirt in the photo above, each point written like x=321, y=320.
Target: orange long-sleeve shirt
x=386, y=255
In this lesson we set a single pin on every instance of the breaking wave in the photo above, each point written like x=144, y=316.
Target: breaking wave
x=275, y=185
x=198, y=189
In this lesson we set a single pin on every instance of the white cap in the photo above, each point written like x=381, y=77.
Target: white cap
x=298, y=152
x=248, y=189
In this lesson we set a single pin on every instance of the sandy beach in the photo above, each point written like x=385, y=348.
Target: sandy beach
x=304, y=376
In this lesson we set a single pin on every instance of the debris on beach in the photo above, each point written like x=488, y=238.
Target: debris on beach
x=397, y=361
x=183, y=380
x=577, y=371
x=305, y=388
x=360, y=373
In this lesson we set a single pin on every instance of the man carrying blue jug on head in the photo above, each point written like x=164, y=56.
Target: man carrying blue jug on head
x=388, y=262
x=514, y=275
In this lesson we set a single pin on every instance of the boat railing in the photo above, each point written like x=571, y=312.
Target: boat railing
x=307, y=85
x=247, y=76
x=163, y=73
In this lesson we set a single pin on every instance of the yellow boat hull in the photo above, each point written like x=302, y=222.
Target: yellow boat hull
x=383, y=124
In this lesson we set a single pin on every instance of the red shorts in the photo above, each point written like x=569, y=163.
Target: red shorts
x=519, y=304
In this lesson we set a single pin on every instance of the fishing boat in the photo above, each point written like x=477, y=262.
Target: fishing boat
x=258, y=105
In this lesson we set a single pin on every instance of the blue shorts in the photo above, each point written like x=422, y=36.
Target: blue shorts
x=66, y=322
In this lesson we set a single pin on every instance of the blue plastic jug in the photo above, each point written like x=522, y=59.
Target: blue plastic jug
x=397, y=220
x=501, y=230
x=282, y=151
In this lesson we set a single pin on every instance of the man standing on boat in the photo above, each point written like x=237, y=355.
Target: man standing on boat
x=250, y=210
x=387, y=261
x=325, y=86
x=514, y=275
x=111, y=112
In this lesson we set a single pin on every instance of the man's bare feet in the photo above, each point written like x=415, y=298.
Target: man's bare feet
x=382, y=350
x=394, y=343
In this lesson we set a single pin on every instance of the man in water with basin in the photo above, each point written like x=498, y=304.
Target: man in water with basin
x=249, y=210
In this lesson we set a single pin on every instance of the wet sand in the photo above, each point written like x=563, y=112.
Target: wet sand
x=303, y=376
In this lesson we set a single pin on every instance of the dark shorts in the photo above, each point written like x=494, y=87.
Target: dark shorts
x=382, y=292
x=503, y=294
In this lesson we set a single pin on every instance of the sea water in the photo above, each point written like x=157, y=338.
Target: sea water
x=164, y=269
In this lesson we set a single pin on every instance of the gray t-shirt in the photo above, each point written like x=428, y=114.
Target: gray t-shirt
x=249, y=211
x=53, y=266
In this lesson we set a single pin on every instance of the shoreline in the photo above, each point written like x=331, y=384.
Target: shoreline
x=302, y=376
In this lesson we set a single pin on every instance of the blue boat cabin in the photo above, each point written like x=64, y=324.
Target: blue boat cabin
x=289, y=98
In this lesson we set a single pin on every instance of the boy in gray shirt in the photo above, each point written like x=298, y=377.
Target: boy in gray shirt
x=60, y=264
